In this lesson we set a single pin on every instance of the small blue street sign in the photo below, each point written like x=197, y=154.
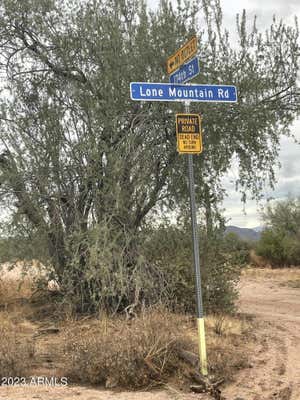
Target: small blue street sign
x=145, y=91
x=186, y=72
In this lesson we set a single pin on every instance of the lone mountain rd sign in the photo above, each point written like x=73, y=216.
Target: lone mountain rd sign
x=185, y=52
x=146, y=91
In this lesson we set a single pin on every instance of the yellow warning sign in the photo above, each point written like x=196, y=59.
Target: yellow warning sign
x=182, y=55
x=188, y=131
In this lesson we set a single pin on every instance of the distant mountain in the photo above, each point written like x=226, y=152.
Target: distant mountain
x=259, y=228
x=244, y=233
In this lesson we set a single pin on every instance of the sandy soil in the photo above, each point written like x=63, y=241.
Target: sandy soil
x=275, y=360
x=274, y=369
x=84, y=393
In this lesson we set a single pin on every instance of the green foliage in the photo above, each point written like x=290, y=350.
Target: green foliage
x=237, y=248
x=161, y=273
x=221, y=274
x=170, y=248
x=113, y=273
x=280, y=242
x=18, y=241
x=284, y=216
x=271, y=247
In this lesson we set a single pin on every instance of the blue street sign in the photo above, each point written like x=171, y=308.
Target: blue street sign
x=186, y=72
x=145, y=91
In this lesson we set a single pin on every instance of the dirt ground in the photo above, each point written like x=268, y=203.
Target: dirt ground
x=274, y=359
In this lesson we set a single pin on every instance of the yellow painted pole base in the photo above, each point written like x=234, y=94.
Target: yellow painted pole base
x=202, y=346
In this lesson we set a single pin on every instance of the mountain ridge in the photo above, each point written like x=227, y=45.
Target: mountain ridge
x=252, y=234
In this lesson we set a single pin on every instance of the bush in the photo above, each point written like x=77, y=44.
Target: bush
x=280, y=242
x=169, y=248
x=131, y=354
x=156, y=267
x=150, y=349
x=270, y=246
x=15, y=355
x=279, y=248
x=20, y=242
x=237, y=249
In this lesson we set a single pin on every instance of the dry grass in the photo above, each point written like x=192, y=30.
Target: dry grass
x=258, y=261
x=136, y=353
x=294, y=284
x=16, y=281
x=20, y=295
x=132, y=354
x=12, y=289
x=229, y=343
x=15, y=352
x=147, y=350
x=282, y=274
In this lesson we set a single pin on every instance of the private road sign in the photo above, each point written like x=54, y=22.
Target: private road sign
x=186, y=72
x=188, y=131
x=146, y=91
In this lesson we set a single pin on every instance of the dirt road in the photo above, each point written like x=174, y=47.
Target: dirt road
x=275, y=360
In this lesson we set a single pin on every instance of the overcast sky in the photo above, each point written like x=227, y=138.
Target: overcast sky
x=288, y=176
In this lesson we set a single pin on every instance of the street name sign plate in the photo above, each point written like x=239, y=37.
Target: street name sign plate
x=188, y=131
x=185, y=52
x=186, y=72
x=146, y=91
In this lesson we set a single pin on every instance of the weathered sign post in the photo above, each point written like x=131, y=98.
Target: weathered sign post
x=189, y=139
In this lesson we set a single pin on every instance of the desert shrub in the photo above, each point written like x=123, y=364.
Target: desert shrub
x=131, y=354
x=283, y=216
x=20, y=242
x=221, y=273
x=256, y=260
x=148, y=350
x=280, y=242
x=169, y=248
x=292, y=249
x=237, y=249
x=115, y=273
x=270, y=246
x=10, y=289
x=279, y=248
x=155, y=267
x=15, y=354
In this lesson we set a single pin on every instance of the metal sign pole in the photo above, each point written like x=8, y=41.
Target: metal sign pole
x=189, y=139
x=199, y=302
